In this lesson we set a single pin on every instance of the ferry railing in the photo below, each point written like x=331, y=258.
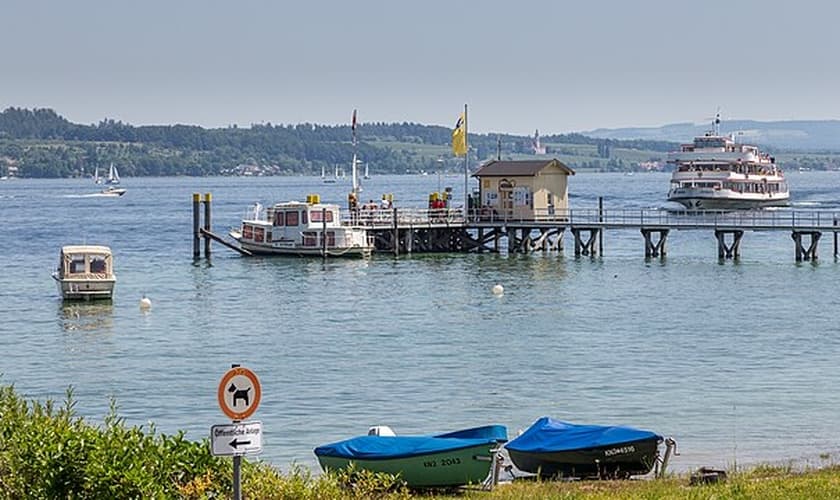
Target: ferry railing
x=755, y=220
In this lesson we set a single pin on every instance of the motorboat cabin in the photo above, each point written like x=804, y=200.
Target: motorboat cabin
x=301, y=228
x=85, y=272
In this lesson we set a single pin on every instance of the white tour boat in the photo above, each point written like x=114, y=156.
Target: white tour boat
x=85, y=272
x=301, y=228
x=717, y=173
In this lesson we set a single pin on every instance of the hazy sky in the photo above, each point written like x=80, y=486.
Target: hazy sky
x=519, y=65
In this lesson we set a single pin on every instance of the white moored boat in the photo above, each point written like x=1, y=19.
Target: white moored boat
x=85, y=272
x=716, y=173
x=301, y=228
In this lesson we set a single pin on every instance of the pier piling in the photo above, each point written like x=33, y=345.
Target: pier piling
x=654, y=249
x=196, y=199
x=809, y=253
x=732, y=251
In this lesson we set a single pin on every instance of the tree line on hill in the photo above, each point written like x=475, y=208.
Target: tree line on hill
x=41, y=143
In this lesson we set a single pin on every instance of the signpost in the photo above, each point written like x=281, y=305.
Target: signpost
x=244, y=438
x=239, y=396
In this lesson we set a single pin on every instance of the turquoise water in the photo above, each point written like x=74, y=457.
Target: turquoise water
x=736, y=360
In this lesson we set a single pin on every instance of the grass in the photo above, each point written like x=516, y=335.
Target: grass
x=47, y=451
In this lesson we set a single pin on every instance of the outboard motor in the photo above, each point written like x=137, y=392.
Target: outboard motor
x=381, y=430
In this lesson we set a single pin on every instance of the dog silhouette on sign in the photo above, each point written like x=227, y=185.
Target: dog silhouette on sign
x=240, y=394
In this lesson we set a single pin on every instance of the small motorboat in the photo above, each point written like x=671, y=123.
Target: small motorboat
x=444, y=460
x=556, y=449
x=85, y=272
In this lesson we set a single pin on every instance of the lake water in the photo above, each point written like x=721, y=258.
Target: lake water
x=736, y=360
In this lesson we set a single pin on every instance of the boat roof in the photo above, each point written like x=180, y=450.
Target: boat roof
x=100, y=249
x=299, y=204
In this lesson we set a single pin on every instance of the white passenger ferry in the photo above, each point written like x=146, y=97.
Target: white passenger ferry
x=716, y=173
x=301, y=228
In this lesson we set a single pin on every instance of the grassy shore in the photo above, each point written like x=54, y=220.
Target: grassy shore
x=47, y=451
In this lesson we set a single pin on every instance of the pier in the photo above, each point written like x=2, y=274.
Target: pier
x=408, y=231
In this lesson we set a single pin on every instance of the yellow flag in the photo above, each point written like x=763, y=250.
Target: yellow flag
x=459, y=137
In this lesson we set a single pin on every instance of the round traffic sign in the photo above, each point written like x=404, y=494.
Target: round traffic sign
x=239, y=393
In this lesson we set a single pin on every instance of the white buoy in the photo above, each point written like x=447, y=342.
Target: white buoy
x=498, y=289
x=145, y=303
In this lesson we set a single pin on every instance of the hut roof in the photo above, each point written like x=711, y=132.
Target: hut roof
x=498, y=168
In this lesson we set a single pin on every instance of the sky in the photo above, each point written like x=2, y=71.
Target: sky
x=557, y=66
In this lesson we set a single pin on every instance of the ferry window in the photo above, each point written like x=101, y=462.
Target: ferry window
x=259, y=234
x=315, y=216
x=248, y=232
x=77, y=264
x=303, y=217
x=278, y=218
x=292, y=218
x=97, y=264
x=330, y=238
x=309, y=239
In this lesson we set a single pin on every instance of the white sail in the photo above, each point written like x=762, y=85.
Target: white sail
x=96, y=178
x=113, y=175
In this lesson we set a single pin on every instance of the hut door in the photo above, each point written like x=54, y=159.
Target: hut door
x=506, y=196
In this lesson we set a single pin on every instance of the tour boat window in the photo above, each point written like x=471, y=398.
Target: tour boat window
x=303, y=217
x=77, y=264
x=278, y=218
x=97, y=264
x=259, y=234
x=247, y=231
x=310, y=239
x=315, y=216
x=330, y=238
x=292, y=218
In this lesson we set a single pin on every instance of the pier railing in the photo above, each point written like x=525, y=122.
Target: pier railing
x=755, y=220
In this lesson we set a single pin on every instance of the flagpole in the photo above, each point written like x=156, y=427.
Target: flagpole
x=466, y=165
x=355, y=181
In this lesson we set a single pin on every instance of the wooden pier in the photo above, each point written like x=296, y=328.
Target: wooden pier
x=411, y=230
x=406, y=231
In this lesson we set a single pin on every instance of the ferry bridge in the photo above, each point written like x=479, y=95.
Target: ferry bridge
x=408, y=230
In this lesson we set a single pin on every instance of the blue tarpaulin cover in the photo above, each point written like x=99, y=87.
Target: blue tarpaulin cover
x=390, y=447
x=548, y=435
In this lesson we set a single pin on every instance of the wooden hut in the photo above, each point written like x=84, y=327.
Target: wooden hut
x=526, y=190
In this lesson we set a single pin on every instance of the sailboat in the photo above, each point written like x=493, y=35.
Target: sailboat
x=96, y=178
x=113, y=175
x=367, y=174
x=324, y=178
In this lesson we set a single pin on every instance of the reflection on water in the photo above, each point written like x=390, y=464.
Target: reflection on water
x=87, y=316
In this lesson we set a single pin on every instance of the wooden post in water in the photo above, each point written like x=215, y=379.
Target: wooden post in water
x=601, y=219
x=324, y=233
x=396, y=235
x=207, y=198
x=196, y=198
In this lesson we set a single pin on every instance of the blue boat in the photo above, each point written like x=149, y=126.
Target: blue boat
x=444, y=460
x=552, y=449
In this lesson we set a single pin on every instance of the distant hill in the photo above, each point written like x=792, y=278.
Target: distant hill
x=792, y=135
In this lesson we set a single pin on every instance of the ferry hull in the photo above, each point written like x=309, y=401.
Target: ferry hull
x=699, y=202
x=359, y=252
